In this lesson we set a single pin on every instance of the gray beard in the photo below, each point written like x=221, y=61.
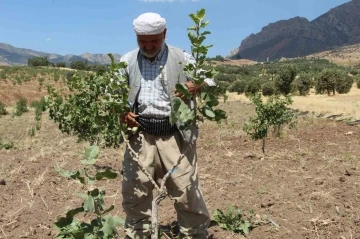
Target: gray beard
x=147, y=55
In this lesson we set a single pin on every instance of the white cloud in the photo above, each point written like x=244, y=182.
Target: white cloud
x=48, y=39
x=149, y=1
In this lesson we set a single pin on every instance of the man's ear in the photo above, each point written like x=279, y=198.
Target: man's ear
x=164, y=33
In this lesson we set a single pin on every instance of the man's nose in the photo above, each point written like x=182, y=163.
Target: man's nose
x=149, y=46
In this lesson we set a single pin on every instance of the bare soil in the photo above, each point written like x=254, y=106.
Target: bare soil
x=307, y=183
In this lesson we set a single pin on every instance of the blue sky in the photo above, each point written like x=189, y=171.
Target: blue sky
x=78, y=26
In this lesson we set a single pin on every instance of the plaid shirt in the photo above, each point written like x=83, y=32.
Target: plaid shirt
x=153, y=101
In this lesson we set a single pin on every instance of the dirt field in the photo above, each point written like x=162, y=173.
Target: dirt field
x=307, y=183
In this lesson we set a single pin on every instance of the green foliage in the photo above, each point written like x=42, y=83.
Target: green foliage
x=92, y=109
x=325, y=81
x=102, y=225
x=344, y=83
x=272, y=114
x=99, y=69
x=234, y=220
x=268, y=88
x=31, y=131
x=79, y=65
x=353, y=71
x=60, y=64
x=304, y=83
x=285, y=76
x=3, y=110
x=21, y=107
x=216, y=58
x=253, y=87
x=358, y=82
x=7, y=146
x=238, y=86
x=221, y=88
x=39, y=104
x=226, y=77
x=208, y=99
x=39, y=61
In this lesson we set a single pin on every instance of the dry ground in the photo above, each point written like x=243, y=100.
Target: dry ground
x=307, y=183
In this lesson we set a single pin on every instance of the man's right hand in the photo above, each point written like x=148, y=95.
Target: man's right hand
x=129, y=118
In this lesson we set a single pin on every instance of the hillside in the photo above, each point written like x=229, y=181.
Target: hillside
x=297, y=37
x=10, y=55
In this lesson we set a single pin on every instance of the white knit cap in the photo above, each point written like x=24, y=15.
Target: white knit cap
x=149, y=24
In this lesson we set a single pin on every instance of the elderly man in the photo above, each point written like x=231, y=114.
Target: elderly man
x=152, y=72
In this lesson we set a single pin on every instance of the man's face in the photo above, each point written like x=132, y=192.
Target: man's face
x=150, y=45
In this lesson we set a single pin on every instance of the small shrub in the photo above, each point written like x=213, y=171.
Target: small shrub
x=61, y=64
x=7, y=145
x=39, y=104
x=304, y=83
x=3, y=110
x=69, y=75
x=31, y=131
x=268, y=88
x=238, y=86
x=252, y=87
x=358, y=83
x=271, y=114
x=21, y=107
x=38, y=112
x=344, y=84
x=234, y=220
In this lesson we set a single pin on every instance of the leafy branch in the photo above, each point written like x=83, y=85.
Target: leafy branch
x=103, y=225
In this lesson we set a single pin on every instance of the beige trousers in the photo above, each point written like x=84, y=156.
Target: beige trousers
x=158, y=154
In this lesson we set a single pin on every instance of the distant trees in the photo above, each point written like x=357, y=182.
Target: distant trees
x=60, y=64
x=216, y=58
x=83, y=65
x=285, y=76
x=304, y=83
x=79, y=65
x=333, y=80
x=39, y=61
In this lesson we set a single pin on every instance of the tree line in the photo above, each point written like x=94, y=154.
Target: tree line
x=78, y=65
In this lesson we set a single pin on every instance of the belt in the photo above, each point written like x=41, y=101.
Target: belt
x=157, y=127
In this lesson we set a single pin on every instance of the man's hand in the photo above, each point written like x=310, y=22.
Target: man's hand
x=193, y=90
x=129, y=118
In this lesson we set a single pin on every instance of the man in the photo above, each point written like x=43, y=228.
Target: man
x=152, y=72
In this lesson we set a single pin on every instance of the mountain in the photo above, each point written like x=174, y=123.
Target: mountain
x=297, y=37
x=10, y=55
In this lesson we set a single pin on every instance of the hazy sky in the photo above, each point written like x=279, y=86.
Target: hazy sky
x=103, y=26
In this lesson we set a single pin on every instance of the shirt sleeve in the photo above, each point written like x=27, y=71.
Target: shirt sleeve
x=189, y=59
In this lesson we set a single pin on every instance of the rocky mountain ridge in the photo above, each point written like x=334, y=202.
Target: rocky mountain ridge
x=10, y=55
x=297, y=37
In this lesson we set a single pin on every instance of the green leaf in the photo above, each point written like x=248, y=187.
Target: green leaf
x=92, y=152
x=201, y=13
x=183, y=89
x=109, y=227
x=173, y=118
x=106, y=174
x=89, y=204
x=194, y=18
x=208, y=112
x=176, y=103
x=118, y=221
x=76, y=175
x=94, y=193
x=211, y=100
x=88, y=161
